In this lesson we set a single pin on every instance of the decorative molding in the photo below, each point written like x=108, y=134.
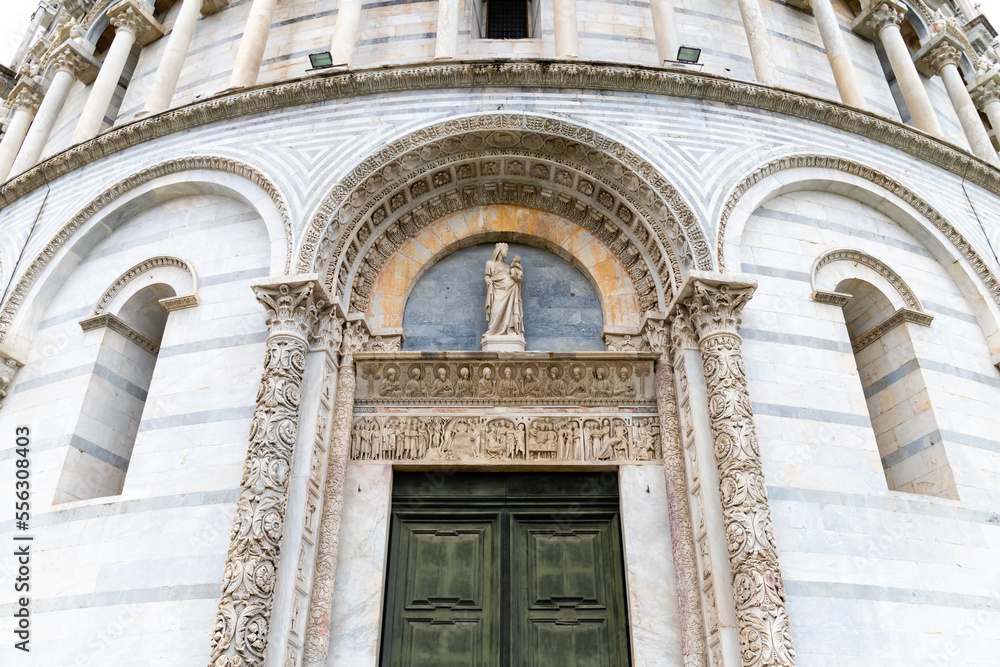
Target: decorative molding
x=71, y=57
x=487, y=380
x=838, y=299
x=758, y=589
x=25, y=95
x=656, y=335
x=518, y=74
x=133, y=17
x=243, y=621
x=887, y=183
x=169, y=303
x=541, y=162
x=116, y=324
x=9, y=365
x=894, y=320
x=877, y=265
x=34, y=270
x=625, y=343
x=472, y=438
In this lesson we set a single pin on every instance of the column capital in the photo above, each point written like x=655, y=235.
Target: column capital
x=986, y=89
x=293, y=304
x=682, y=334
x=939, y=51
x=71, y=57
x=876, y=16
x=9, y=364
x=133, y=17
x=356, y=337
x=211, y=6
x=715, y=308
x=656, y=333
x=26, y=94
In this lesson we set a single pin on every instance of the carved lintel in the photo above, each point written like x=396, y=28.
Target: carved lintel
x=173, y=303
x=115, y=323
x=839, y=299
x=894, y=320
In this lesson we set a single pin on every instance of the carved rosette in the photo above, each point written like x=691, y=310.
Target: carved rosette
x=693, y=644
x=241, y=628
x=765, y=638
x=355, y=337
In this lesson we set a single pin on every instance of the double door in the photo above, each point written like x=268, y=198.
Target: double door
x=505, y=570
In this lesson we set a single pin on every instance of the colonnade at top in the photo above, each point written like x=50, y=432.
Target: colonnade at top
x=34, y=111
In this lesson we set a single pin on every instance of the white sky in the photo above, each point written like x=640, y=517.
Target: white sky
x=17, y=13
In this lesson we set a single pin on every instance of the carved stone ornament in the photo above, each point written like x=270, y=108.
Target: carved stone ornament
x=9, y=364
x=765, y=637
x=26, y=95
x=116, y=324
x=34, y=270
x=132, y=16
x=625, y=343
x=657, y=336
x=987, y=93
x=881, y=180
x=942, y=55
x=575, y=75
x=405, y=379
x=145, y=266
x=242, y=625
x=71, y=57
x=874, y=263
x=876, y=332
x=885, y=14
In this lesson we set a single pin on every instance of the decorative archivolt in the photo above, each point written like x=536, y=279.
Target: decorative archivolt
x=877, y=265
x=172, y=303
x=31, y=274
x=539, y=162
x=877, y=178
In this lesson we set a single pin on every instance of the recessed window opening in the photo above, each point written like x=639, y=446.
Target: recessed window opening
x=507, y=19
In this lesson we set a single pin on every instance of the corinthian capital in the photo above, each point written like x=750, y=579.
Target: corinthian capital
x=885, y=14
x=986, y=93
x=132, y=16
x=70, y=57
x=942, y=55
x=26, y=95
x=9, y=364
x=714, y=308
x=292, y=307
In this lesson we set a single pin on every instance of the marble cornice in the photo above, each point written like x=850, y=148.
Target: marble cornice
x=508, y=74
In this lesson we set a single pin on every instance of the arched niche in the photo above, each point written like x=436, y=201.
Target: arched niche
x=542, y=163
x=841, y=176
x=491, y=224
x=126, y=199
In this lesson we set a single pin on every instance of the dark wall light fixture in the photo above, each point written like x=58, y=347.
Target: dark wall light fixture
x=322, y=60
x=686, y=55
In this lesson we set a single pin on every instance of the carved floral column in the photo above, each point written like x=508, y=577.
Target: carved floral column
x=241, y=629
x=321, y=602
x=758, y=591
x=693, y=645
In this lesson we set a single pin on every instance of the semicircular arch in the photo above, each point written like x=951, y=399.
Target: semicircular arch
x=544, y=163
x=857, y=181
x=142, y=190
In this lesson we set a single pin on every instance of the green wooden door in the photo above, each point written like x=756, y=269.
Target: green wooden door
x=490, y=570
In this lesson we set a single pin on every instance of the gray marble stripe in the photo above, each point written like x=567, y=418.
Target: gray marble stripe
x=214, y=344
x=616, y=38
x=938, y=367
x=116, y=598
x=912, y=596
x=795, y=339
x=915, y=447
x=892, y=378
x=74, y=314
x=950, y=312
x=99, y=452
x=890, y=502
x=194, y=418
x=972, y=441
x=116, y=380
x=811, y=414
x=114, y=507
x=843, y=229
x=233, y=276
x=52, y=378
x=396, y=38
x=775, y=272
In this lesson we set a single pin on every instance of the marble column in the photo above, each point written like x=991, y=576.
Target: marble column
x=321, y=601
x=70, y=63
x=567, y=32
x=987, y=96
x=665, y=30
x=132, y=23
x=764, y=65
x=836, y=51
x=244, y=616
x=884, y=22
x=693, y=645
x=24, y=100
x=169, y=69
x=346, y=32
x=758, y=590
x=250, y=54
x=446, y=42
x=943, y=59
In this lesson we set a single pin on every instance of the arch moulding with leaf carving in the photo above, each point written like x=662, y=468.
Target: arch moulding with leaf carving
x=539, y=162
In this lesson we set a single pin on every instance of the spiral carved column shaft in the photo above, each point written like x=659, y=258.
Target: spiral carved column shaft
x=758, y=591
x=244, y=616
x=321, y=601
